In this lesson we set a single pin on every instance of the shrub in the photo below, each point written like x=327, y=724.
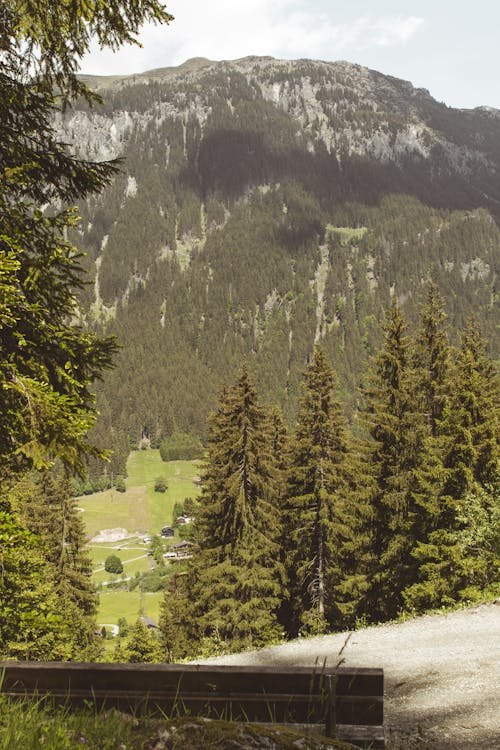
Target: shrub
x=123, y=627
x=156, y=549
x=190, y=506
x=180, y=446
x=113, y=564
x=120, y=484
x=161, y=484
x=177, y=511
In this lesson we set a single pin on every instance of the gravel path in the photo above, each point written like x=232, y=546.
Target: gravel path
x=442, y=675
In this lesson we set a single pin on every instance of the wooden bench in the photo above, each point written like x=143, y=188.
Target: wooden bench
x=348, y=703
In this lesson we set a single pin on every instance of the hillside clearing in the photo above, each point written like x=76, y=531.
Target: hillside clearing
x=124, y=518
x=140, y=509
x=128, y=604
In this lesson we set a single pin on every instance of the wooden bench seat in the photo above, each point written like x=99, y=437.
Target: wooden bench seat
x=348, y=703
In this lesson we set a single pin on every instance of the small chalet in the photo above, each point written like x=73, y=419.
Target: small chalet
x=167, y=532
x=183, y=549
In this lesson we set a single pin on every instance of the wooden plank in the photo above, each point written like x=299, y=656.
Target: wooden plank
x=154, y=677
x=298, y=707
x=284, y=695
x=214, y=669
x=360, y=709
x=363, y=736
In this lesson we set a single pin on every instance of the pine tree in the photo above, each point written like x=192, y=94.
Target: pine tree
x=279, y=450
x=175, y=612
x=432, y=360
x=478, y=393
x=432, y=386
x=451, y=564
x=47, y=508
x=32, y=625
x=399, y=452
x=141, y=646
x=235, y=579
x=355, y=553
x=316, y=496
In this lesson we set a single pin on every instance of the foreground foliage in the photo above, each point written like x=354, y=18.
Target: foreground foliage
x=48, y=363
x=33, y=724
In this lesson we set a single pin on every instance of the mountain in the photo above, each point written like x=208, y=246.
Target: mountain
x=264, y=205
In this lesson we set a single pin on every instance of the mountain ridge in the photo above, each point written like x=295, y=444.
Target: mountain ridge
x=234, y=227
x=195, y=64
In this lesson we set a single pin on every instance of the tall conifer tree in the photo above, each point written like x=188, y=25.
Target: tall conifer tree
x=279, y=450
x=47, y=509
x=399, y=450
x=316, y=493
x=432, y=386
x=32, y=625
x=235, y=578
x=432, y=360
x=479, y=393
x=455, y=559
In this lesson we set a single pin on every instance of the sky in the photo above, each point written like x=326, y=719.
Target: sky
x=450, y=47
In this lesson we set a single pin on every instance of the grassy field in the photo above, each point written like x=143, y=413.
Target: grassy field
x=99, y=554
x=143, y=467
x=128, y=604
x=141, y=511
x=129, y=568
x=112, y=509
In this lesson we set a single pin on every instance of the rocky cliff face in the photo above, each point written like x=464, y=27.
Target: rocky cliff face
x=265, y=205
x=348, y=108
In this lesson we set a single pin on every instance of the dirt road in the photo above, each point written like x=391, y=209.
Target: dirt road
x=442, y=675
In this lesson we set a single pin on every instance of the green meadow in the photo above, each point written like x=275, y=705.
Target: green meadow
x=141, y=511
x=129, y=568
x=114, y=604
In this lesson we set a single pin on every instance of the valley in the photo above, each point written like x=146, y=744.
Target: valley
x=123, y=523
x=285, y=272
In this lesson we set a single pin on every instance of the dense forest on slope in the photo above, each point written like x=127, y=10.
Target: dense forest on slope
x=313, y=530
x=264, y=206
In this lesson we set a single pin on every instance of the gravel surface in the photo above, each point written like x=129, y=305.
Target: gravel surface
x=442, y=674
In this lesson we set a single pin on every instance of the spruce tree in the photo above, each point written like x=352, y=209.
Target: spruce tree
x=399, y=451
x=458, y=558
x=432, y=360
x=142, y=645
x=355, y=553
x=32, y=623
x=235, y=578
x=479, y=393
x=279, y=450
x=174, y=615
x=316, y=496
x=47, y=508
x=432, y=386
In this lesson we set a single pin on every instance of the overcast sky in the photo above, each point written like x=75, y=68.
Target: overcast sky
x=451, y=47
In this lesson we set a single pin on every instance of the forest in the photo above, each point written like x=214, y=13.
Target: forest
x=244, y=227
x=349, y=431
